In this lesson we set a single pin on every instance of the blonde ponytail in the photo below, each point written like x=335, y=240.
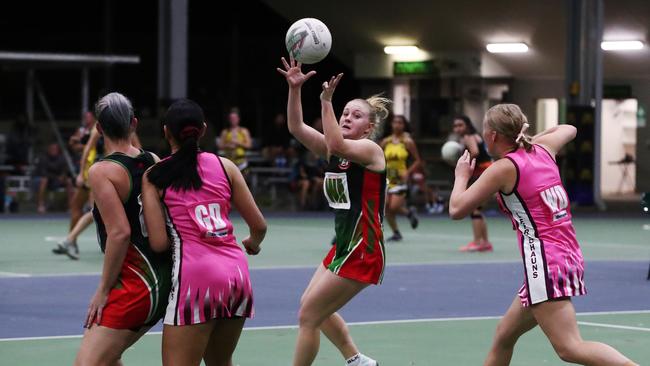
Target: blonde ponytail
x=525, y=140
x=378, y=113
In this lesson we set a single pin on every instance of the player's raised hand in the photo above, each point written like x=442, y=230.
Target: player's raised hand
x=465, y=166
x=329, y=87
x=293, y=73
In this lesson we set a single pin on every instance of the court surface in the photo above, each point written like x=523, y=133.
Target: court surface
x=437, y=306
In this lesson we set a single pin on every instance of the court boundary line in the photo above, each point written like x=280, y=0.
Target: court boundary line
x=14, y=274
x=438, y=236
x=385, y=322
x=9, y=274
x=509, y=239
x=614, y=326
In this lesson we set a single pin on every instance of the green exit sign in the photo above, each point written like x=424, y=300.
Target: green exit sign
x=414, y=68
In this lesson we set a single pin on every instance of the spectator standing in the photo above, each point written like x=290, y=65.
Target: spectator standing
x=235, y=140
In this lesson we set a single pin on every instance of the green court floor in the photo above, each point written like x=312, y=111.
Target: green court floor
x=448, y=342
x=300, y=241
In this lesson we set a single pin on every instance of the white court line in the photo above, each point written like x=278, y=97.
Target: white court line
x=82, y=238
x=384, y=322
x=14, y=274
x=615, y=326
x=310, y=266
x=619, y=312
x=504, y=239
x=54, y=238
x=37, y=275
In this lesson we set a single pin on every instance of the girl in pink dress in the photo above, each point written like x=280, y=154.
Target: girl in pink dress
x=187, y=201
x=527, y=182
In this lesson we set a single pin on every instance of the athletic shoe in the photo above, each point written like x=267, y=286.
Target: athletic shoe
x=435, y=209
x=397, y=236
x=486, y=247
x=413, y=218
x=60, y=249
x=73, y=251
x=470, y=247
x=68, y=248
x=367, y=361
x=361, y=360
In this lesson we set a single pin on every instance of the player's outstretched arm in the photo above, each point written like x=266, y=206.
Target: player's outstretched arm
x=308, y=136
x=556, y=137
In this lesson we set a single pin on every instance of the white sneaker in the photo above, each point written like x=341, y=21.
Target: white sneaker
x=72, y=250
x=436, y=208
x=68, y=248
x=367, y=361
x=361, y=360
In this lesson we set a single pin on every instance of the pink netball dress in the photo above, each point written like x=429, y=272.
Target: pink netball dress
x=539, y=209
x=210, y=272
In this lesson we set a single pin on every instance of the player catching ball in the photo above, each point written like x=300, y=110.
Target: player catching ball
x=475, y=146
x=529, y=190
x=355, y=186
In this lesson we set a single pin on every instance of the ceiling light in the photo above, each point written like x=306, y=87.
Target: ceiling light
x=401, y=50
x=507, y=47
x=621, y=45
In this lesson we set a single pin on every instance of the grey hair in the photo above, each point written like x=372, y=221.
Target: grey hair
x=114, y=113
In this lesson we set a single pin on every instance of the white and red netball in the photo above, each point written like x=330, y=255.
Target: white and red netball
x=451, y=152
x=308, y=40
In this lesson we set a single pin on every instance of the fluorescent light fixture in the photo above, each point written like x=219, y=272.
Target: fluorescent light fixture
x=401, y=50
x=507, y=47
x=621, y=45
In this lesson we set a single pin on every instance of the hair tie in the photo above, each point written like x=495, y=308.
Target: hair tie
x=189, y=131
x=522, y=133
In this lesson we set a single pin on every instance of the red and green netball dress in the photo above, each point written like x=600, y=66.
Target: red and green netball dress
x=357, y=196
x=139, y=298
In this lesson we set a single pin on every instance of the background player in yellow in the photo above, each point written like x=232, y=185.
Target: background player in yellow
x=399, y=148
x=235, y=140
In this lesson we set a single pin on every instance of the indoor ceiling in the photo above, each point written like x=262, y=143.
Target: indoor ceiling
x=365, y=26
